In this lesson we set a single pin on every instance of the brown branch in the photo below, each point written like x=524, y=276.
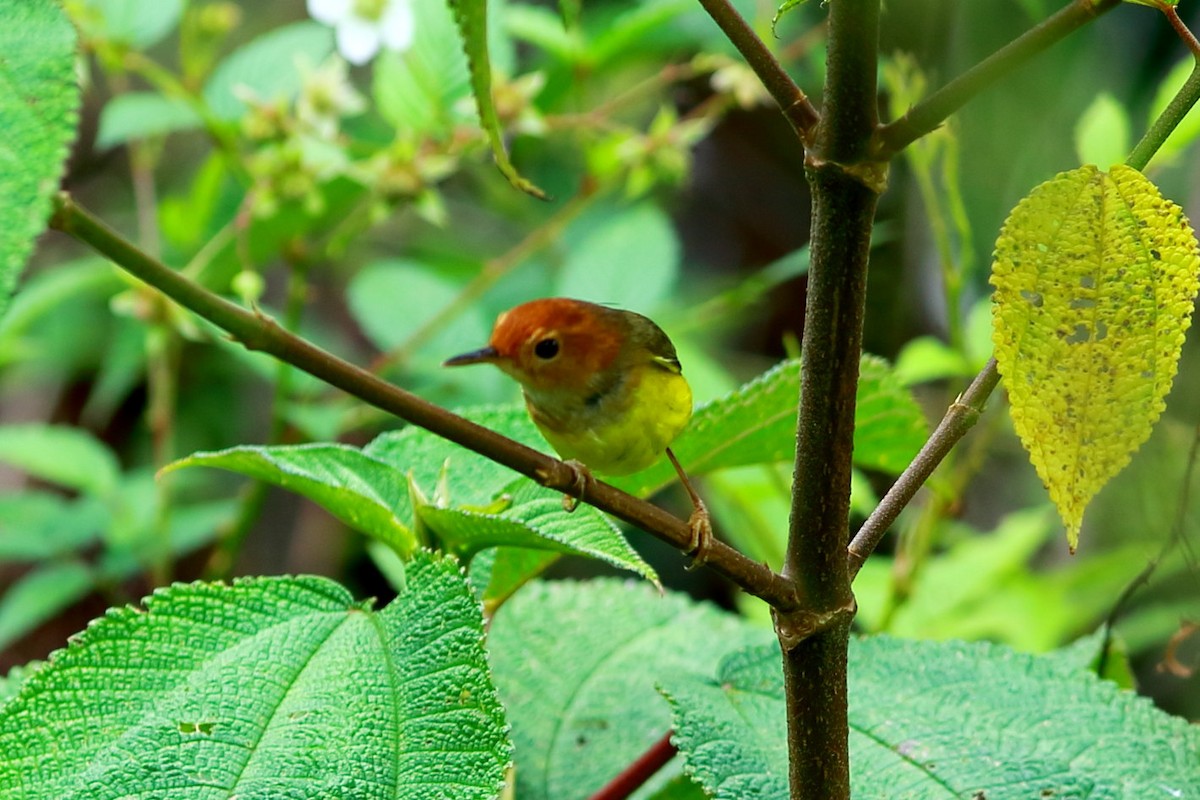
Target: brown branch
x=845, y=187
x=960, y=418
x=934, y=109
x=792, y=100
x=258, y=332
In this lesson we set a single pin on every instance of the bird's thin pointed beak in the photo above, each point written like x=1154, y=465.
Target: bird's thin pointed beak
x=481, y=356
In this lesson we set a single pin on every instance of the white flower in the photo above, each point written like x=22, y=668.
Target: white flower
x=363, y=26
x=326, y=95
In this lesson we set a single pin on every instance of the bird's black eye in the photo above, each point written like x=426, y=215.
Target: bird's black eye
x=546, y=348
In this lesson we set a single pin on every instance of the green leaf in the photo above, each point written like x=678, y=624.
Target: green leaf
x=394, y=300
x=70, y=457
x=583, y=706
x=267, y=67
x=757, y=425
x=142, y=115
x=45, y=293
x=630, y=261
x=629, y=34
x=451, y=475
x=938, y=720
x=367, y=494
x=680, y=787
x=1102, y=133
x=928, y=358
x=11, y=683
x=472, y=19
x=40, y=595
x=461, y=489
x=417, y=90
x=535, y=519
x=271, y=687
x=1095, y=275
x=1086, y=653
x=541, y=27
x=39, y=525
x=940, y=605
x=784, y=7
x=497, y=573
x=137, y=23
x=39, y=104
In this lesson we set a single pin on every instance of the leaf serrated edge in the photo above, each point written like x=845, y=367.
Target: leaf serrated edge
x=472, y=27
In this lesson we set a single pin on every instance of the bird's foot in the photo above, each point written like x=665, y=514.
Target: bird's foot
x=700, y=526
x=581, y=478
x=699, y=523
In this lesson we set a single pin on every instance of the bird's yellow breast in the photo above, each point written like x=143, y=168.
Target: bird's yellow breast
x=622, y=437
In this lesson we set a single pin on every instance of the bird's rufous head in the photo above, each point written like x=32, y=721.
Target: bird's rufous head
x=553, y=343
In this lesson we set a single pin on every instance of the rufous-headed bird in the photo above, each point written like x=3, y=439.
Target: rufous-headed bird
x=604, y=386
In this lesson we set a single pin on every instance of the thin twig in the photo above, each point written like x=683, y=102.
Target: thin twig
x=1176, y=110
x=792, y=101
x=1184, y=32
x=1143, y=577
x=640, y=771
x=256, y=331
x=933, y=110
x=959, y=418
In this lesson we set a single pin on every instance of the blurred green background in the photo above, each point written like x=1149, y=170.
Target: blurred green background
x=361, y=207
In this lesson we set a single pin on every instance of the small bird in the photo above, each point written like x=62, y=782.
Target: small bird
x=604, y=386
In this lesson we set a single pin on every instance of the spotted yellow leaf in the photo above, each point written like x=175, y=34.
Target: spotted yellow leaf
x=1094, y=277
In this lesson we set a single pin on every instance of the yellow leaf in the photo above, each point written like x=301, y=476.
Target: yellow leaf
x=1094, y=274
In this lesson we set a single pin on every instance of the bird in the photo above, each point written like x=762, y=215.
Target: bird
x=603, y=385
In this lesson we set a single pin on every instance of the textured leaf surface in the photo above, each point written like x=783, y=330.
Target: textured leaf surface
x=471, y=16
x=576, y=665
x=272, y=687
x=39, y=99
x=756, y=424
x=365, y=493
x=471, y=503
x=1094, y=276
x=942, y=720
x=537, y=521
x=11, y=683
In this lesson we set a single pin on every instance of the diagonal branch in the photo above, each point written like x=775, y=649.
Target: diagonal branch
x=959, y=418
x=792, y=101
x=934, y=109
x=259, y=332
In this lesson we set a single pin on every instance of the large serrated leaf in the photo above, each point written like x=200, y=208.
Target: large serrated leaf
x=534, y=520
x=272, y=687
x=756, y=424
x=1094, y=277
x=39, y=98
x=364, y=492
x=472, y=19
x=939, y=720
x=576, y=665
